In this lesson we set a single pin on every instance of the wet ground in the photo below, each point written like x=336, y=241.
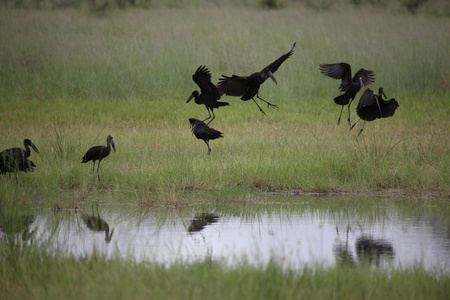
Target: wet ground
x=293, y=230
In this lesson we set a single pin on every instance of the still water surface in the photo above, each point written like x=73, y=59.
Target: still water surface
x=294, y=231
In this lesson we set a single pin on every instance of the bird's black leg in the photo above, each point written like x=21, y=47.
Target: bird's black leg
x=208, y=117
x=268, y=103
x=340, y=115
x=354, y=124
x=209, y=149
x=362, y=128
x=259, y=107
x=98, y=168
x=213, y=117
x=93, y=167
x=349, y=122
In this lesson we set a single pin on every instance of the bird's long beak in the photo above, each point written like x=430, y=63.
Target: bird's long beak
x=273, y=77
x=382, y=91
x=114, y=146
x=34, y=148
x=190, y=97
x=361, y=81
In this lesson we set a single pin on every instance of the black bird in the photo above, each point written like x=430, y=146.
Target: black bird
x=204, y=132
x=350, y=86
x=99, y=153
x=29, y=166
x=209, y=92
x=16, y=159
x=372, y=106
x=96, y=223
x=248, y=86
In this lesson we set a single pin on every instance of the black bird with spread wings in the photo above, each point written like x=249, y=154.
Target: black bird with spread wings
x=99, y=153
x=247, y=87
x=204, y=132
x=372, y=106
x=209, y=93
x=350, y=86
x=13, y=160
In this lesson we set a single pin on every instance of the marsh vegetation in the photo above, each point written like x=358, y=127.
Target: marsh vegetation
x=70, y=78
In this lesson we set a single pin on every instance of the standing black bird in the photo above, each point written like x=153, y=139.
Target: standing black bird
x=204, y=132
x=372, y=107
x=248, y=86
x=209, y=93
x=29, y=166
x=350, y=86
x=98, y=153
x=16, y=159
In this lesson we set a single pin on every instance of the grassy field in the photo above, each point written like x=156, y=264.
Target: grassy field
x=69, y=79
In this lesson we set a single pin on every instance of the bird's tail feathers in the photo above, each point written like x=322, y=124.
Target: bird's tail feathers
x=342, y=99
x=219, y=104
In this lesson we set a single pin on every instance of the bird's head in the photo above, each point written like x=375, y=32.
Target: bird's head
x=194, y=121
x=381, y=92
x=109, y=140
x=270, y=74
x=27, y=142
x=194, y=94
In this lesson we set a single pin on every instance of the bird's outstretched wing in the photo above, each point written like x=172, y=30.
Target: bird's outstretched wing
x=367, y=99
x=273, y=67
x=367, y=76
x=233, y=86
x=388, y=108
x=202, y=78
x=341, y=71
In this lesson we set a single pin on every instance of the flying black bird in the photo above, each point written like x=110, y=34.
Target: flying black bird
x=99, y=153
x=16, y=159
x=372, y=107
x=350, y=86
x=247, y=87
x=209, y=93
x=204, y=132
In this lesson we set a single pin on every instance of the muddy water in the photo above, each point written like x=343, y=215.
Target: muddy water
x=294, y=231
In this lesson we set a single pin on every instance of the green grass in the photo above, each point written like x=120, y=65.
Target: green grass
x=33, y=276
x=69, y=79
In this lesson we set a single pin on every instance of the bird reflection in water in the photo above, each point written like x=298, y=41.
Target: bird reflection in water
x=368, y=250
x=97, y=224
x=344, y=255
x=12, y=226
x=373, y=251
x=201, y=220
